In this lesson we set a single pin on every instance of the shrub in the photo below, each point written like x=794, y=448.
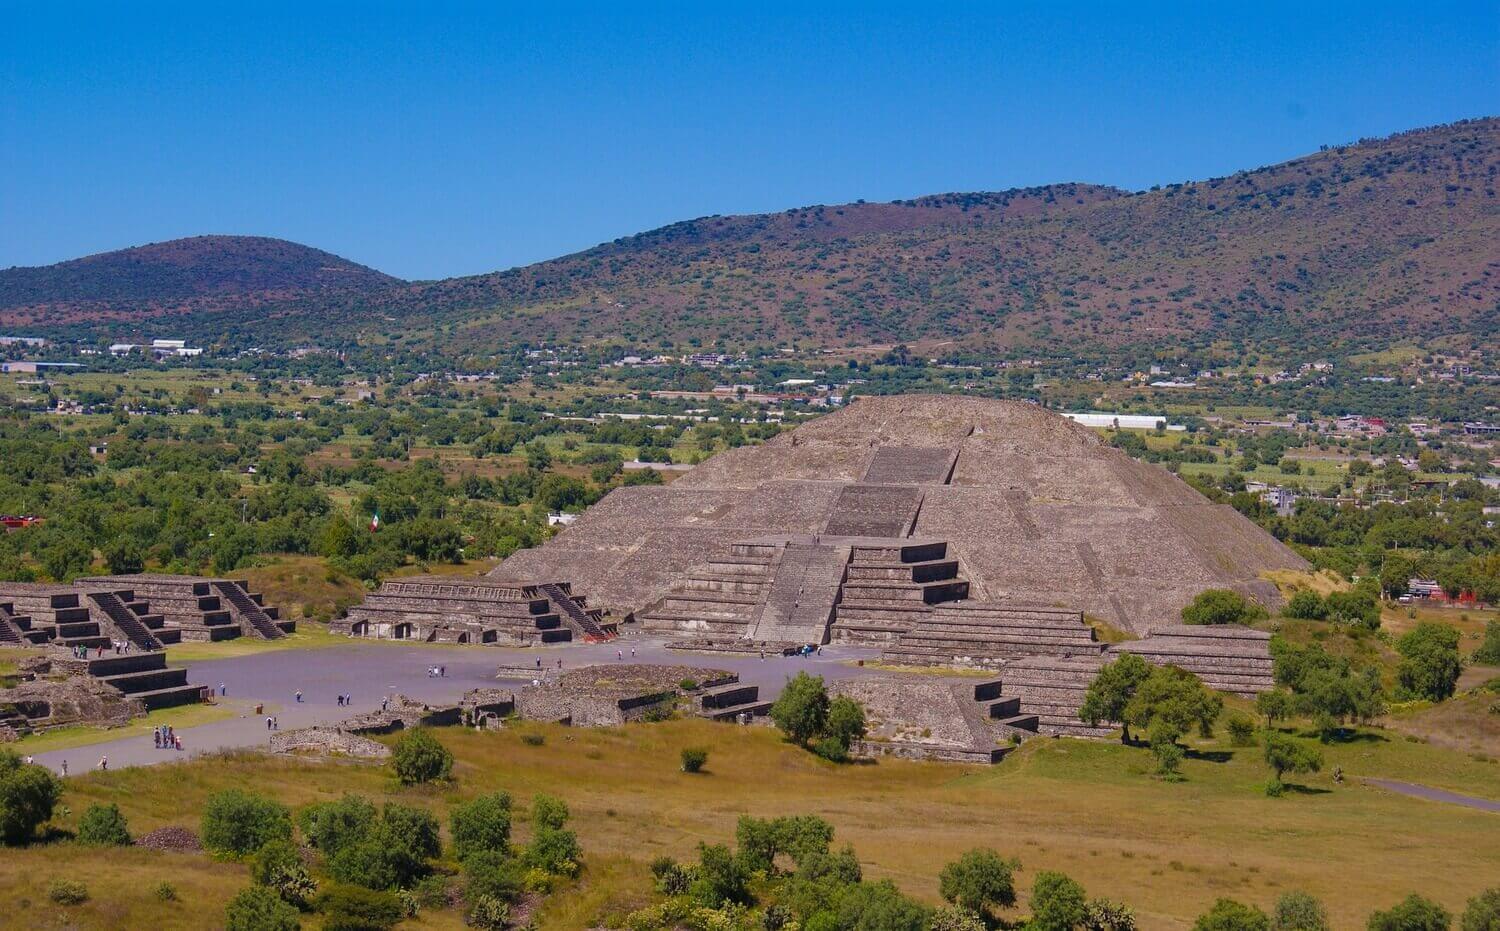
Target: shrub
x=802, y=708
x=67, y=892
x=415, y=828
x=1488, y=653
x=1057, y=903
x=979, y=880
x=721, y=878
x=259, y=909
x=165, y=892
x=488, y=914
x=831, y=749
x=1298, y=911
x=488, y=874
x=1229, y=915
x=236, y=823
x=953, y=918
x=1241, y=731
x=671, y=877
x=1483, y=913
x=332, y=826
x=548, y=813
x=418, y=757
x=279, y=867
x=352, y=908
x=1413, y=913
x=481, y=824
x=28, y=794
x=1307, y=605
x=1285, y=755
x=1221, y=606
x=693, y=759
x=103, y=826
x=555, y=851
x=846, y=721
x=1104, y=915
x=533, y=739
x=688, y=684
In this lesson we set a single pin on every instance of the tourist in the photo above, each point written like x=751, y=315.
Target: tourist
x=632, y=652
x=177, y=742
x=103, y=764
x=222, y=690
x=384, y=701
x=268, y=722
x=64, y=767
x=340, y=699
x=156, y=738
x=539, y=662
x=299, y=696
x=619, y=654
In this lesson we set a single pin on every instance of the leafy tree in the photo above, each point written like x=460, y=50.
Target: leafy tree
x=721, y=878
x=953, y=918
x=979, y=880
x=1412, y=913
x=123, y=556
x=238, y=823
x=846, y=722
x=1104, y=915
x=1396, y=571
x=876, y=907
x=1285, y=755
x=1221, y=606
x=257, y=908
x=1110, y=693
x=1058, y=903
x=418, y=757
x=103, y=826
x=352, y=908
x=332, y=826
x=491, y=874
x=1430, y=664
x=1161, y=737
x=1483, y=912
x=417, y=829
x=1298, y=911
x=1229, y=915
x=555, y=851
x=548, y=813
x=1176, y=697
x=801, y=711
x=482, y=823
x=279, y=867
x=1306, y=604
x=1488, y=653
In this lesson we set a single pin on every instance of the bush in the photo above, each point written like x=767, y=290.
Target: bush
x=1483, y=913
x=488, y=914
x=1229, y=915
x=693, y=759
x=332, y=826
x=1307, y=605
x=1298, y=911
x=721, y=878
x=979, y=880
x=488, y=874
x=533, y=739
x=418, y=757
x=1104, y=915
x=259, y=909
x=67, y=892
x=672, y=878
x=165, y=892
x=414, y=828
x=1430, y=663
x=28, y=794
x=548, y=813
x=831, y=749
x=1221, y=606
x=1488, y=653
x=352, y=908
x=555, y=851
x=953, y=918
x=103, y=826
x=1413, y=913
x=1057, y=903
x=236, y=823
x=802, y=708
x=279, y=867
x=1241, y=731
x=481, y=824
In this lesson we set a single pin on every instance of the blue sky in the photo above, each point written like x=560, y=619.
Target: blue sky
x=442, y=139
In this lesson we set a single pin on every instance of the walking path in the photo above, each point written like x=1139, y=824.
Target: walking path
x=1435, y=795
x=369, y=671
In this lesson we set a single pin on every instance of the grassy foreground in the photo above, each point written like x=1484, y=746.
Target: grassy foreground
x=1087, y=808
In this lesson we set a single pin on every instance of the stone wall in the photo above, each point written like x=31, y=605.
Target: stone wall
x=328, y=741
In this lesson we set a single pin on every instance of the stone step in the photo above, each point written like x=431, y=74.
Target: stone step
x=757, y=709
x=1024, y=722
x=170, y=697
x=1004, y=707
x=150, y=680
x=725, y=696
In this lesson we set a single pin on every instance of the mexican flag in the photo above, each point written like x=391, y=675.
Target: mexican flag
x=375, y=522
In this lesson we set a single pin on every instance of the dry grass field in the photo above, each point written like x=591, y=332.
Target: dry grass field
x=1088, y=808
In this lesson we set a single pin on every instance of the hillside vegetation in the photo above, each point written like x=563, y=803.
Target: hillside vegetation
x=1359, y=245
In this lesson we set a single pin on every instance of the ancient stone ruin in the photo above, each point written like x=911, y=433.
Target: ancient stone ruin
x=203, y=608
x=857, y=525
x=617, y=693
x=58, y=689
x=448, y=609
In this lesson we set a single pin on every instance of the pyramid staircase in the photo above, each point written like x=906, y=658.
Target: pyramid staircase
x=584, y=621
x=720, y=598
x=1052, y=689
x=728, y=702
x=443, y=609
x=245, y=608
x=986, y=635
x=146, y=677
x=113, y=611
x=893, y=586
x=803, y=594
x=16, y=630
x=1227, y=657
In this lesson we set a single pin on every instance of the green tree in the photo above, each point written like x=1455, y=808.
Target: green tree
x=801, y=711
x=1306, y=605
x=548, y=813
x=1176, y=697
x=1412, y=913
x=1058, y=903
x=257, y=908
x=103, y=826
x=1430, y=663
x=1229, y=915
x=1221, y=606
x=1488, y=653
x=1110, y=693
x=237, y=823
x=1483, y=912
x=1298, y=911
x=979, y=880
x=721, y=878
x=279, y=867
x=352, y=908
x=1396, y=571
x=28, y=795
x=482, y=823
x=123, y=556
x=332, y=826
x=419, y=757
x=1285, y=755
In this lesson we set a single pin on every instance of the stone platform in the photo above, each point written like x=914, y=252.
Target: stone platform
x=455, y=609
x=202, y=608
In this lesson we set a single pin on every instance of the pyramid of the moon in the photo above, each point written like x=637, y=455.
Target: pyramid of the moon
x=901, y=504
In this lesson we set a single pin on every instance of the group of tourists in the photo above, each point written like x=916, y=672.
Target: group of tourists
x=165, y=738
x=345, y=700
x=437, y=672
x=273, y=723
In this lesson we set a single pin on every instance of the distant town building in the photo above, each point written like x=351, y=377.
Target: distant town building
x=34, y=342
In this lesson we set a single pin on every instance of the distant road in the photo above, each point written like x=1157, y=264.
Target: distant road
x=1435, y=795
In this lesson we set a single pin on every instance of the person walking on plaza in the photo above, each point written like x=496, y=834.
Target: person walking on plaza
x=103, y=764
x=299, y=696
x=65, y=767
